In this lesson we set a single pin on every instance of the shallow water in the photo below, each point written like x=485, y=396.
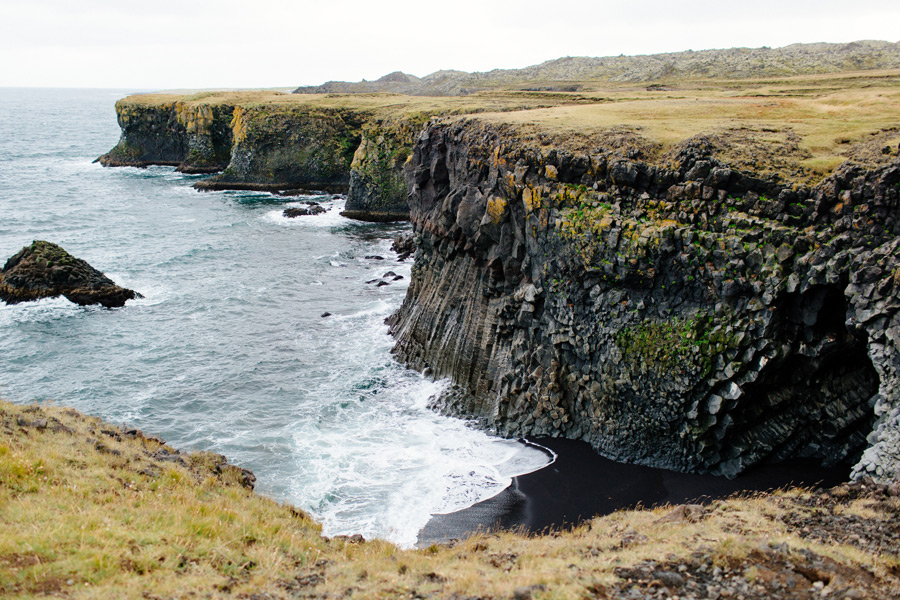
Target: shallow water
x=228, y=350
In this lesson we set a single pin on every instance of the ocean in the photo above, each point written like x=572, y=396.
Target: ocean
x=228, y=350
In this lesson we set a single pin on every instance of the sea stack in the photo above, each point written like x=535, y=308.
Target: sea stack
x=45, y=270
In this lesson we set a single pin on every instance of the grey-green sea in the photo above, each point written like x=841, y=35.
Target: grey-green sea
x=228, y=350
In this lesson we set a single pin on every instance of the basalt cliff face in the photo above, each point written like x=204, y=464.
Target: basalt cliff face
x=273, y=147
x=377, y=180
x=288, y=148
x=684, y=315
x=196, y=138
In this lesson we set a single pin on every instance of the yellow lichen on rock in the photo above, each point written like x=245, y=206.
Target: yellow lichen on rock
x=496, y=209
x=239, y=125
x=196, y=118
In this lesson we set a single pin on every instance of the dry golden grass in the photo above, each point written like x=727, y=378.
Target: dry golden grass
x=830, y=115
x=86, y=515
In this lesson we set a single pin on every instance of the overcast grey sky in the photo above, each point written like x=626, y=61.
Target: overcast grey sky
x=269, y=43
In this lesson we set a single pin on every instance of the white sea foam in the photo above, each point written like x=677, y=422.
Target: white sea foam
x=331, y=218
x=401, y=463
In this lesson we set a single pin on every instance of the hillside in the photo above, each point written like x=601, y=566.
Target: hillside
x=573, y=74
x=92, y=510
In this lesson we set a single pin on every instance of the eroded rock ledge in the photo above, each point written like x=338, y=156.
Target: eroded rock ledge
x=686, y=316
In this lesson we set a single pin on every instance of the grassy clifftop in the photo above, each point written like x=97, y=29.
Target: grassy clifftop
x=91, y=510
x=797, y=128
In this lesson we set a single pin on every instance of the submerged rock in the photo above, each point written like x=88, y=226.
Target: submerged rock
x=45, y=270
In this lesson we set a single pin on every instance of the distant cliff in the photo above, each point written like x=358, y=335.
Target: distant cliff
x=279, y=142
x=273, y=146
x=193, y=136
x=685, y=315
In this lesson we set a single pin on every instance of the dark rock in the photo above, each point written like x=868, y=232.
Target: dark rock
x=303, y=211
x=404, y=245
x=44, y=270
x=326, y=314
x=374, y=257
x=527, y=592
x=695, y=317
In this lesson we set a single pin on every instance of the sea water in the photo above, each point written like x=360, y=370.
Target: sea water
x=228, y=350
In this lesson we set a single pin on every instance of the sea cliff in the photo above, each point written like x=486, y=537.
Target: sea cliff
x=682, y=314
x=269, y=141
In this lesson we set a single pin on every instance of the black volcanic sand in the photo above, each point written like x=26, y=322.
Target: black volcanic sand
x=581, y=484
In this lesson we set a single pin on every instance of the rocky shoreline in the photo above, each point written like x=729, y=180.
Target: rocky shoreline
x=144, y=520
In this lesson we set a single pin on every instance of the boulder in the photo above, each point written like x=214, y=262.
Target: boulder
x=44, y=270
x=404, y=245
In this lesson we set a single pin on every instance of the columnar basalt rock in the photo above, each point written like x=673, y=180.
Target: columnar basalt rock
x=688, y=316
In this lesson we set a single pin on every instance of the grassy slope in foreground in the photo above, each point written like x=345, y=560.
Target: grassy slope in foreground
x=88, y=510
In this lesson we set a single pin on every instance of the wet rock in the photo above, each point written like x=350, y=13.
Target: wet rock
x=404, y=245
x=303, y=211
x=45, y=270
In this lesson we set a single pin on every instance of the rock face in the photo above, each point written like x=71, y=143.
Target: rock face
x=690, y=316
x=377, y=181
x=290, y=147
x=44, y=270
x=195, y=137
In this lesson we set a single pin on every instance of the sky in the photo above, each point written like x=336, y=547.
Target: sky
x=283, y=43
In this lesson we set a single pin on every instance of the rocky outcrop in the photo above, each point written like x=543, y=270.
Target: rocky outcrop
x=688, y=316
x=44, y=270
x=193, y=136
x=275, y=147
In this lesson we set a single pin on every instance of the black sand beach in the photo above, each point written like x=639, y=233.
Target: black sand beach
x=581, y=484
